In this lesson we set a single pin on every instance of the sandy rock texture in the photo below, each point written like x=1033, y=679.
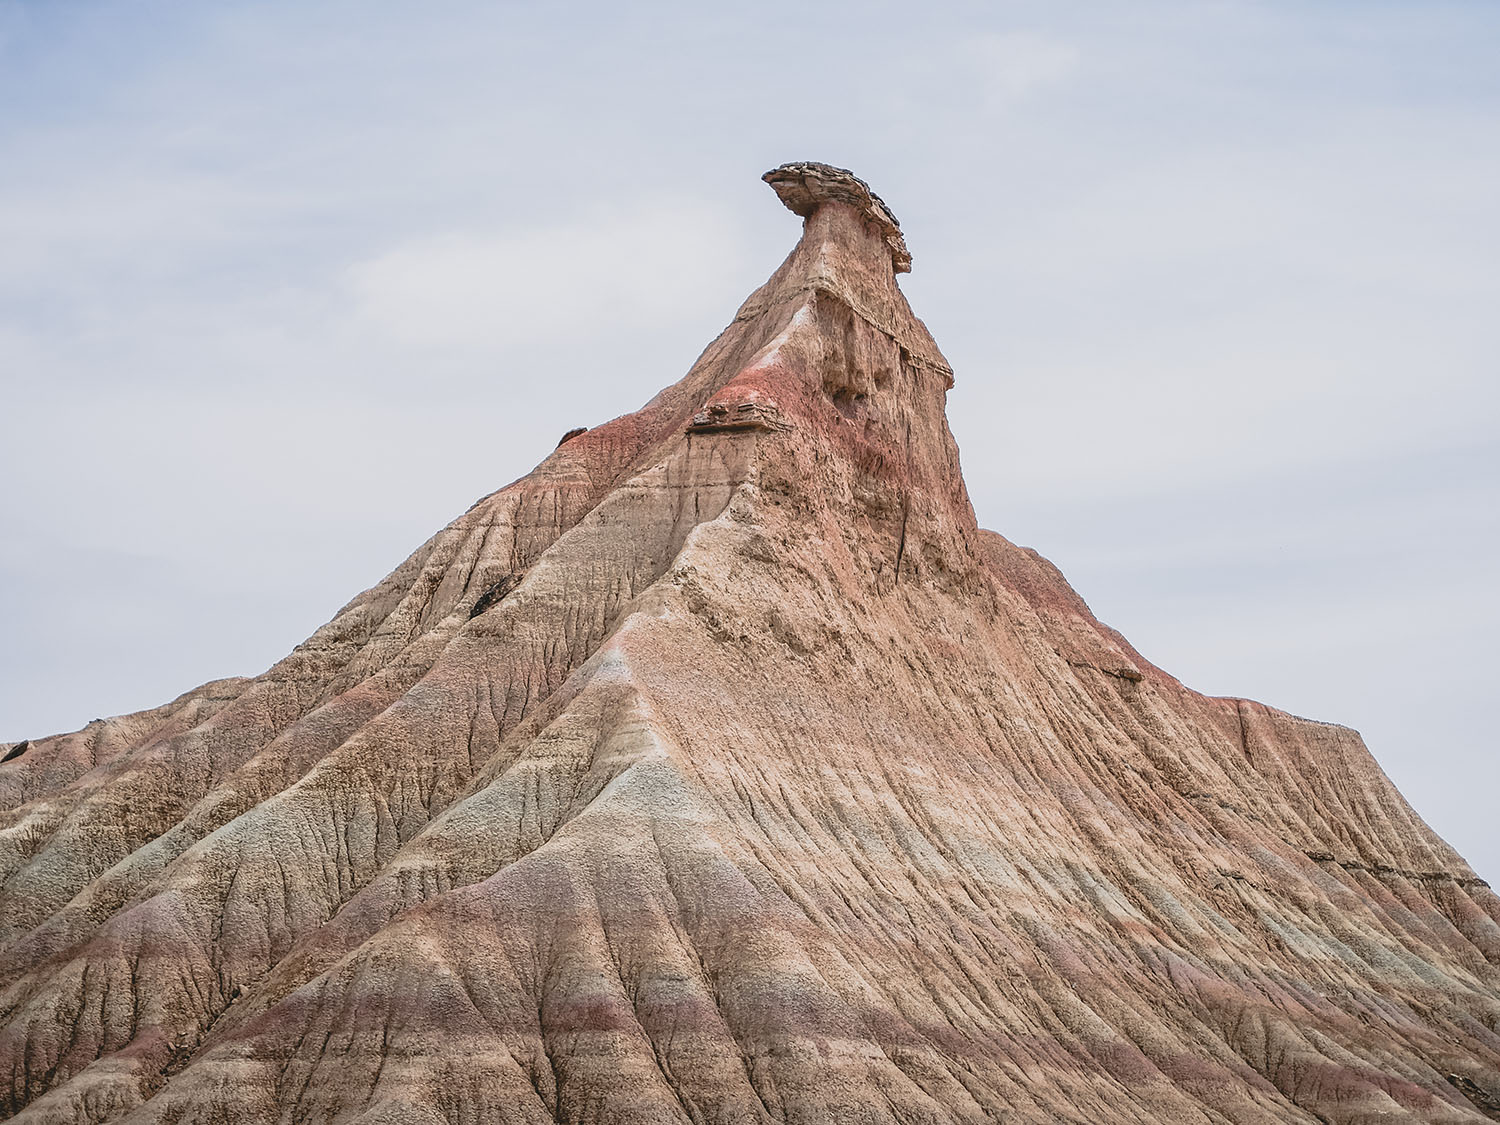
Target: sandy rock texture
x=723, y=770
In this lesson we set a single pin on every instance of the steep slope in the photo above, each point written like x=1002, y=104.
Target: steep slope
x=724, y=770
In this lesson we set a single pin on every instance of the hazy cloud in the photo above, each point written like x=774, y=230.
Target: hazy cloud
x=547, y=284
x=1010, y=66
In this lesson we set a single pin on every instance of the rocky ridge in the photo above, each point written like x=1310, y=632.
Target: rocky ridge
x=724, y=770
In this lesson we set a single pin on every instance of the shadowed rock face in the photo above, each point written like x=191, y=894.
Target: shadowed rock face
x=723, y=770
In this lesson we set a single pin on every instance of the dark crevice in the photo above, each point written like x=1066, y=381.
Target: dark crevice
x=495, y=594
x=1482, y=1100
x=905, y=505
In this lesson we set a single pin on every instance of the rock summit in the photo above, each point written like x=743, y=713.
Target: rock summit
x=724, y=770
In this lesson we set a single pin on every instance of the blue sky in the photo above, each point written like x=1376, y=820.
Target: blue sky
x=284, y=287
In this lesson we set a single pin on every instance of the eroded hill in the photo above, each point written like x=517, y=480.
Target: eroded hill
x=723, y=770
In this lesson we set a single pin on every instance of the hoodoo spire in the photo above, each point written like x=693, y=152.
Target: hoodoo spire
x=850, y=252
x=805, y=185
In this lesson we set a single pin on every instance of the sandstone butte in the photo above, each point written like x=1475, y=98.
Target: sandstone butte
x=723, y=770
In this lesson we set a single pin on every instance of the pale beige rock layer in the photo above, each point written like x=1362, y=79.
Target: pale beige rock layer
x=723, y=770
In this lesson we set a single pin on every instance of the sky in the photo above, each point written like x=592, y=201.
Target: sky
x=286, y=287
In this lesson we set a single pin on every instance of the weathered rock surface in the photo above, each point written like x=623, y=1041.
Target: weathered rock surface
x=723, y=770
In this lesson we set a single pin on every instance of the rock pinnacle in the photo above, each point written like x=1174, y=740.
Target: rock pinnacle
x=723, y=769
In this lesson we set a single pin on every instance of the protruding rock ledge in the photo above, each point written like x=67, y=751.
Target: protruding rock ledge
x=751, y=414
x=804, y=184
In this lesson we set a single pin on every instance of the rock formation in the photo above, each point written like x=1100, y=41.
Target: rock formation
x=724, y=770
